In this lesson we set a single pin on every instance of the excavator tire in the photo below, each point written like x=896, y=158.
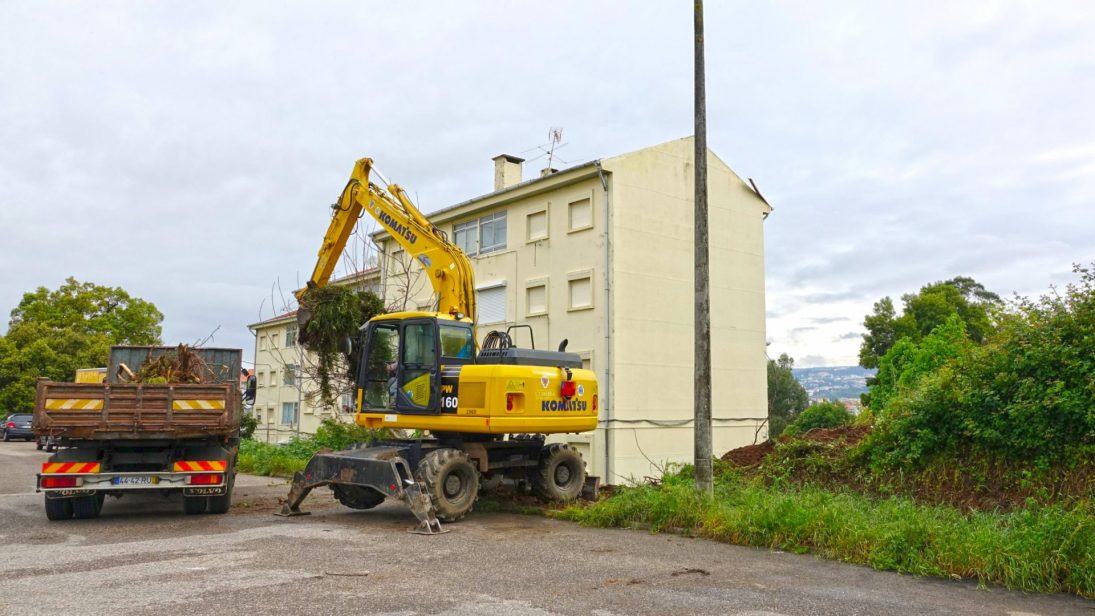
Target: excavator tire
x=357, y=497
x=451, y=480
x=560, y=474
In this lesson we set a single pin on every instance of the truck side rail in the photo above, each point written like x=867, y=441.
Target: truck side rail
x=129, y=411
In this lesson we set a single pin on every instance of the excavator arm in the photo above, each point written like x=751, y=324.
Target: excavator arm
x=446, y=266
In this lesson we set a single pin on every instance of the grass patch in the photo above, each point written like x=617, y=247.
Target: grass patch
x=259, y=458
x=1043, y=548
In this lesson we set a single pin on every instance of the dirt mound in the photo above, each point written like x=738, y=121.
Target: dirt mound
x=749, y=455
x=851, y=435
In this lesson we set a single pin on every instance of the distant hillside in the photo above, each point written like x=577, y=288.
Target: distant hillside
x=833, y=381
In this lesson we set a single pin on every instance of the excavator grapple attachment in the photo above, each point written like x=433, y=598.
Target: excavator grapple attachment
x=383, y=470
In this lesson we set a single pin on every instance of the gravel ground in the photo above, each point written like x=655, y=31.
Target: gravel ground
x=143, y=556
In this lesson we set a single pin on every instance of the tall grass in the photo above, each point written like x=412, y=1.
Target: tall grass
x=259, y=458
x=1045, y=548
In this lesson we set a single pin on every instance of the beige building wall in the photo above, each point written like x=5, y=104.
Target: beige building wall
x=601, y=254
x=653, y=306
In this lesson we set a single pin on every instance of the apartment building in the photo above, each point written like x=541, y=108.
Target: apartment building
x=601, y=254
x=285, y=401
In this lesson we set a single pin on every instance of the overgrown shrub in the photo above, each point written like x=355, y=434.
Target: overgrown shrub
x=330, y=315
x=819, y=415
x=1025, y=397
x=283, y=460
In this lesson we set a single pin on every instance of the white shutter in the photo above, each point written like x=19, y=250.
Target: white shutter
x=492, y=304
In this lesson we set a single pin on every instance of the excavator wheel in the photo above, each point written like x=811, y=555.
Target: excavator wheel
x=357, y=497
x=560, y=474
x=451, y=481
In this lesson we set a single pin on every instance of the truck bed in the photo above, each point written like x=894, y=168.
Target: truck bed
x=105, y=411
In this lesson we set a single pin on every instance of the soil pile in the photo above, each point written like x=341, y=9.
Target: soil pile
x=751, y=455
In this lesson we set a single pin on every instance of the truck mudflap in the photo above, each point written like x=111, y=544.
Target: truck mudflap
x=381, y=468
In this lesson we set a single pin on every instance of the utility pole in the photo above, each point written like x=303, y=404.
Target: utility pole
x=702, y=418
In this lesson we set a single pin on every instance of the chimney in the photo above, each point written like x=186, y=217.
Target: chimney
x=507, y=171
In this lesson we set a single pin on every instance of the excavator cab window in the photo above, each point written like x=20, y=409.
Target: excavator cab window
x=418, y=367
x=457, y=342
x=380, y=366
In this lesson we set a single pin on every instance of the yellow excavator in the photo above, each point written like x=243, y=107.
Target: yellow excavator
x=486, y=410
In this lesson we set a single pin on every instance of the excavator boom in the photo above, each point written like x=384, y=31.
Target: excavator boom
x=446, y=266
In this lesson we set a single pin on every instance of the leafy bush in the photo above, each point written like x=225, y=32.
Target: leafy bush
x=1024, y=397
x=332, y=314
x=820, y=415
x=283, y=460
x=248, y=424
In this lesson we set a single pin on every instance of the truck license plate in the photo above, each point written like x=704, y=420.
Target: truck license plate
x=136, y=480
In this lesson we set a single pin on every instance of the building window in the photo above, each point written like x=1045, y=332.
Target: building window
x=536, y=298
x=291, y=336
x=466, y=236
x=289, y=376
x=262, y=342
x=536, y=225
x=348, y=403
x=492, y=232
x=492, y=304
x=486, y=234
x=289, y=412
x=580, y=286
x=580, y=215
x=273, y=377
x=260, y=379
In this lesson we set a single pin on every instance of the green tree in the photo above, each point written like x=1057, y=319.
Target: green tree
x=925, y=310
x=828, y=414
x=54, y=332
x=786, y=397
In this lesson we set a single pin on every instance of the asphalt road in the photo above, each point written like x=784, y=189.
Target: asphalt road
x=143, y=556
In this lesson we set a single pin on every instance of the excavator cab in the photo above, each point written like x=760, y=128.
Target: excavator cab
x=403, y=357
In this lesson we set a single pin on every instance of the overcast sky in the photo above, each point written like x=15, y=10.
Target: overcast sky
x=188, y=152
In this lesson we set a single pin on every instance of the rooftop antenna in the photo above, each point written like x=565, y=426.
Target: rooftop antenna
x=555, y=135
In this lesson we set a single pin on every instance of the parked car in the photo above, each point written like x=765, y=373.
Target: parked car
x=18, y=426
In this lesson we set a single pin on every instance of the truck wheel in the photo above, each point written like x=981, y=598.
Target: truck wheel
x=39, y=445
x=58, y=508
x=357, y=497
x=87, y=507
x=560, y=474
x=221, y=504
x=451, y=481
x=193, y=505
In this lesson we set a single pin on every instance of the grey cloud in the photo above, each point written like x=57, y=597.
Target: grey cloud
x=191, y=152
